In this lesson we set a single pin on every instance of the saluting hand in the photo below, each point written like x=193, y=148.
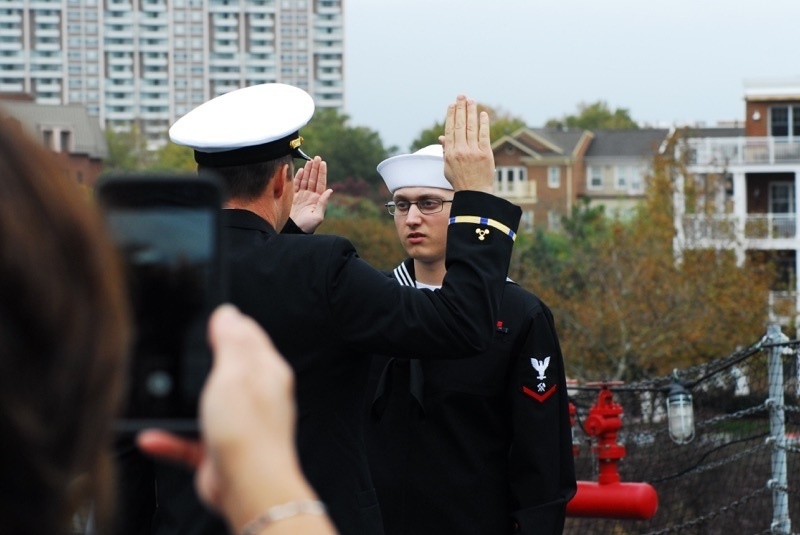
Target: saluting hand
x=468, y=156
x=310, y=195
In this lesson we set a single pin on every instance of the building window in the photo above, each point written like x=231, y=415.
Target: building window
x=781, y=197
x=511, y=180
x=595, y=177
x=554, y=220
x=621, y=178
x=47, y=138
x=784, y=121
x=554, y=177
x=526, y=221
x=637, y=185
x=66, y=141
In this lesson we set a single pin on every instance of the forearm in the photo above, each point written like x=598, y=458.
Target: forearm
x=456, y=321
x=268, y=493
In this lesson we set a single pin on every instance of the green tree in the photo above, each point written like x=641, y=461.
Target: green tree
x=624, y=307
x=127, y=151
x=501, y=123
x=595, y=116
x=173, y=158
x=375, y=239
x=352, y=152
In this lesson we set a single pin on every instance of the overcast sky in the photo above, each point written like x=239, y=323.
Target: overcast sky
x=666, y=61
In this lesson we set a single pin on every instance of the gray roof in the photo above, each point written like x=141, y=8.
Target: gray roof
x=564, y=138
x=637, y=142
x=712, y=131
x=88, y=137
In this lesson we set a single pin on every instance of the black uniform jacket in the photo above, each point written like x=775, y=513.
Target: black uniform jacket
x=327, y=311
x=480, y=445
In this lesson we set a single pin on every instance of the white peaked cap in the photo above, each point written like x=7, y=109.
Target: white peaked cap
x=247, y=125
x=421, y=169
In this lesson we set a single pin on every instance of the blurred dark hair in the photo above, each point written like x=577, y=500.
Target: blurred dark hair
x=247, y=182
x=63, y=336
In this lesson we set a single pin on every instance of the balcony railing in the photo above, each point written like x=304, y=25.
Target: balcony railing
x=770, y=226
x=725, y=151
x=783, y=307
x=520, y=190
x=722, y=227
x=718, y=227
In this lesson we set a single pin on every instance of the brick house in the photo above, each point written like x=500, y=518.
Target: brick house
x=754, y=205
x=546, y=170
x=69, y=131
x=542, y=170
x=617, y=165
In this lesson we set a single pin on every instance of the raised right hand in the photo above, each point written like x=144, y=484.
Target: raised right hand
x=468, y=156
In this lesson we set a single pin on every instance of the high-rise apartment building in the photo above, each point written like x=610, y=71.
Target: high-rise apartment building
x=148, y=62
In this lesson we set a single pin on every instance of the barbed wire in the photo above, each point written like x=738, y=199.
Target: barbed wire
x=769, y=531
x=718, y=365
x=708, y=454
x=789, y=449
x=783, y=488
x=702, y=424
x=700, y=468
x=713, y=514
x=703, y=368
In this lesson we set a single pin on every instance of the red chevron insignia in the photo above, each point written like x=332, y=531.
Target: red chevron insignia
x=539, y=397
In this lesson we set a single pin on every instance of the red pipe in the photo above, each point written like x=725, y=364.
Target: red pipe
x=637, y=501
x=608, y=497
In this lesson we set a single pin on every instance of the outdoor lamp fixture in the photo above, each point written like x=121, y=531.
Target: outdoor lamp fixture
x=680, y=412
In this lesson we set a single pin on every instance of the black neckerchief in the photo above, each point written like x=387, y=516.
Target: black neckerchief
x=404, y=273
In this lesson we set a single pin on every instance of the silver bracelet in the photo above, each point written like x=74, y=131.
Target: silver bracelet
x=284, y=510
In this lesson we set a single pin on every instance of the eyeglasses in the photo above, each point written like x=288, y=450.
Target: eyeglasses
x=426, y=206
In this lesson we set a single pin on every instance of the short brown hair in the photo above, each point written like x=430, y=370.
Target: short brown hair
x=247, y=182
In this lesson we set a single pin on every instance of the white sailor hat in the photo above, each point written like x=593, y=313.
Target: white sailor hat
x=424, y=168
x=249, y=125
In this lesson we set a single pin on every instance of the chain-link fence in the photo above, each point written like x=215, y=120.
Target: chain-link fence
x=741, y=472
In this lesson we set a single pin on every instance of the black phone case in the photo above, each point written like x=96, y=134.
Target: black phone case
x=170, y=358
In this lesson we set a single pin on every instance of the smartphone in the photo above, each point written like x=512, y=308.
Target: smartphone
x=167, y=230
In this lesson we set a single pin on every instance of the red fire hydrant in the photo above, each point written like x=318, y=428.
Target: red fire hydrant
x=608, y=497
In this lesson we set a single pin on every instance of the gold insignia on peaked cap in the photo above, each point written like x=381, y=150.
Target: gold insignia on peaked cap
x=248, y=125
x=295, y=146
